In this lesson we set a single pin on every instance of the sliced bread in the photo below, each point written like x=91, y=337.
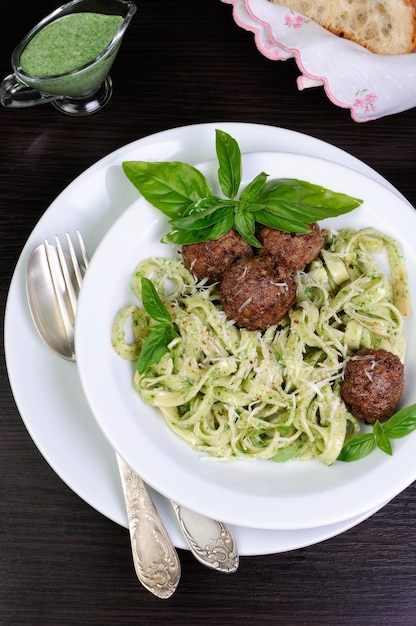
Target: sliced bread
x=382, y=26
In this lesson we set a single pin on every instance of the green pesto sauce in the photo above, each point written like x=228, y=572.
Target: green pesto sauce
x=69, y=43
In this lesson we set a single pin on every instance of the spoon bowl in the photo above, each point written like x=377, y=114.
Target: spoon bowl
x=43, y=300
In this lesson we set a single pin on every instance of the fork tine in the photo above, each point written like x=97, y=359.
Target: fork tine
x=65, y=273
x=74, y=261
x=59, y=286
x=83, y=250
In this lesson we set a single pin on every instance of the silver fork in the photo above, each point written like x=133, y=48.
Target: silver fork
x=211, y=541
x=54, y=280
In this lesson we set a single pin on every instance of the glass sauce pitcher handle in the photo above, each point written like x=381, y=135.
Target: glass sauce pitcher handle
x=15, y=95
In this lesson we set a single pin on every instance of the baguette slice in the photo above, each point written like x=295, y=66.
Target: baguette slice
x=382, y=26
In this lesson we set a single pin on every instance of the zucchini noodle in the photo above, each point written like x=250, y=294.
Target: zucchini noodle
x=232, y=392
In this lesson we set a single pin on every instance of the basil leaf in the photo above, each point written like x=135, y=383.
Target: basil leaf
x=185, y=237
x=271, y=218
x=305, y=201
x=182, y=237
x=203, y=219
x=357, y=448
x=160, y=335
x=152, y=303
x=154, y=347
x=245, y=225
x=206, y=203
x=212, y=230
x=229, y=159
x=251, y=192
x=223, y=226
x=169, y=186
x=381, y=439
x=401, y=423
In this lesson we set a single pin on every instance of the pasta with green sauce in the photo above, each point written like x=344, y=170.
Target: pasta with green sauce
x=231, y=392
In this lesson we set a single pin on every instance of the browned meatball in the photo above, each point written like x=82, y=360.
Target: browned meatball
x=293, y=250
x=257, y=293
x=373, y=384
x=210, y=259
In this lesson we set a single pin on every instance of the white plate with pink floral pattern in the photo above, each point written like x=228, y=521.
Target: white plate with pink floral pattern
x=370, y=85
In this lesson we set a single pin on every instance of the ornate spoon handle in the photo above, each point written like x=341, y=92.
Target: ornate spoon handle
x=155, y=559
x=211, y=542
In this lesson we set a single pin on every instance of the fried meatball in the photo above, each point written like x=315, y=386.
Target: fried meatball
x=373, y=384
x=209, y=259
x=292, y=249
x=256, y=292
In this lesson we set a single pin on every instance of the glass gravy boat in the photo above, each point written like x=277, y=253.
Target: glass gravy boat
x=80, y=91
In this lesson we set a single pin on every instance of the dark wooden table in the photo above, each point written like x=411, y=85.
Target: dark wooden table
x=64, y=563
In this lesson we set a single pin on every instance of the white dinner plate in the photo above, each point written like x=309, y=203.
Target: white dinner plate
x=257, y=494
x=49, y=396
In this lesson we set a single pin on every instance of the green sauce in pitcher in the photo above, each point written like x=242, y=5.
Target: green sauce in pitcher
x=69, y=43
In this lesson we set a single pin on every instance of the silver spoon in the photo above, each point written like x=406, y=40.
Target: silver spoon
x=53, y=282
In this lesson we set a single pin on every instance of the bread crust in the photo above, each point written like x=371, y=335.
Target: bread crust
x=382, y=26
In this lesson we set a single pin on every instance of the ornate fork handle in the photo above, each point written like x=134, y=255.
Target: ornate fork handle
x=156, y=562
x=210, y=541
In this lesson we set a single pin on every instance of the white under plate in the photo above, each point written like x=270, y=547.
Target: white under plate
x=49, y=396
x=257, y=494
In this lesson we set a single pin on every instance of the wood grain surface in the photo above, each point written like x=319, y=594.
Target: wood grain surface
x=61, y=562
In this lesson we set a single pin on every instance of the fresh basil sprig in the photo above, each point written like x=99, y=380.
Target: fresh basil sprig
x=399, y=425
x=229, y=160
x=196, y=214
x=161, y=333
